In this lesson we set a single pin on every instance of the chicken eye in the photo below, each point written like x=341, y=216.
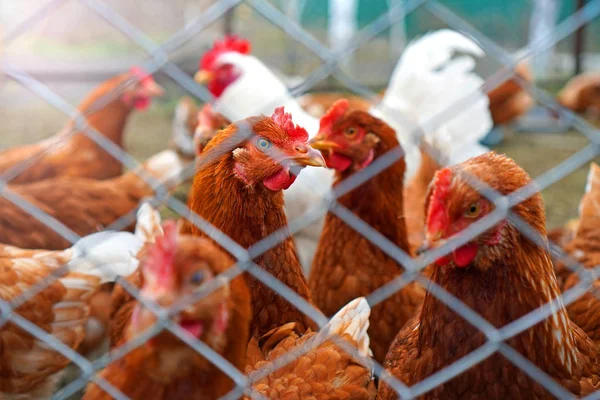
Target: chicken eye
x=350, y=132
x=473, y=210
x=263, y=144
x=221, y=127
x=197, y=278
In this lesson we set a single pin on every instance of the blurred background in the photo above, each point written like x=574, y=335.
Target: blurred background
x=72, y=45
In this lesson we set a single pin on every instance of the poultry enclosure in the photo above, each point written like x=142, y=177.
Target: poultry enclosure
x=551, y=142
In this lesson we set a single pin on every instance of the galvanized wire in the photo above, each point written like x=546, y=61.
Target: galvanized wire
x=159, y=60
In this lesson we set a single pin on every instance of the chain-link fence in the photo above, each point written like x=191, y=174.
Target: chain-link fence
x=159, y=60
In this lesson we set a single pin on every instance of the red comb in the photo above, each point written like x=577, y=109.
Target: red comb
x=159, y=263
x=335, y=112
x=140, y=74
x=206, y=116
x=230, y=43
x=284, y=120
x=437, y=218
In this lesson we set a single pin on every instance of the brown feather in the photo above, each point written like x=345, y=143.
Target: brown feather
x=29, y=367
x=323, y=372
x=78, y=156
x=347, y=265
x=247, y=215
x=585, y=249
x=83, y=205
x=504, y=283
x=166, y=368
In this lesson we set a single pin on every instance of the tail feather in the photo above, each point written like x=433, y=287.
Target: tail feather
x=148, y=223
x=105, y=255
x=427, y=82
x=353, y=320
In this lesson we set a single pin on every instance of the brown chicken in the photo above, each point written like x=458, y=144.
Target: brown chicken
x=95, y=342
x=582, y=94
x=83, y=205
x=323, y=372
x=348, y=265
x=508, y=100
x=501, y=275
x=106, y=110
x=165, y=367
x=317, y=104
x=238, y=189
x=29, y=367
x=414, y=198
x=585, y=249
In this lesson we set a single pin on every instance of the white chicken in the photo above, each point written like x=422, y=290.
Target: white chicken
x=427, y=81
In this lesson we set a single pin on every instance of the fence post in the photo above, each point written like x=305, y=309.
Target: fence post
x=228, y=22
x=579, y=42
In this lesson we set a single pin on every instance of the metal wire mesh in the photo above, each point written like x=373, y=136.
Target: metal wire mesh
x=159, y=60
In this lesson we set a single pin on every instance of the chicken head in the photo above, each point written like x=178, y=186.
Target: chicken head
x=217, y=75
x=271, y=151
x=174, y=268
x=139, y=95
x=453, y=204
x=346, y=139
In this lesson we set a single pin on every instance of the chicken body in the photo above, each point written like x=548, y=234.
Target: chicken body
x=323, y=372
x=106, y=110
x=348, y=265
x=502, y=276
x=582, y=94
x=509, y=100
x=30, y=368
x=585, y=249
x=83, y=205
x=248, y=211
x=165, y=367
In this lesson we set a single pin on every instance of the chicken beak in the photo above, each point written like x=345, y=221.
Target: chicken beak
x=203, y=76
x=320, y=143
x=310, y=157
x=423, y=248
x=153, y=89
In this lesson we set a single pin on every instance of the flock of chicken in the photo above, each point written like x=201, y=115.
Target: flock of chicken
x=252, y=177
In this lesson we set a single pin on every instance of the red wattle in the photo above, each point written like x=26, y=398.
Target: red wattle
x=338, y=162
x=443, y=260
x=195, y=328
x=464, y=255
x=141, y=103
x=279, y=180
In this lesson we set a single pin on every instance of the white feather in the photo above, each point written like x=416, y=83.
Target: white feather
x=165, y=166
x=106, y=255
x=148, y=223
x=425, y=83
x=258, y=91
x=352, y=319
